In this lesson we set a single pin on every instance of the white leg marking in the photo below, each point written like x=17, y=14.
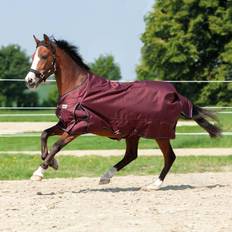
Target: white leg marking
x=155, y=185
x=38, y=174
x=105, y=178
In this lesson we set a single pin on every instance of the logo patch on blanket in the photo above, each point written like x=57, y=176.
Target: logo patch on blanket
x=64, y=106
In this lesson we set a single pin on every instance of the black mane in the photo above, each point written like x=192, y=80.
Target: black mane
x=72, y=51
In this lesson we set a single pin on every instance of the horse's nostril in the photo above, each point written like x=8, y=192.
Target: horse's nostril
x=30, y=80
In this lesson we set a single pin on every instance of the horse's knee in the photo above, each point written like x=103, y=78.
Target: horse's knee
x=44, y=135
x=43, y=156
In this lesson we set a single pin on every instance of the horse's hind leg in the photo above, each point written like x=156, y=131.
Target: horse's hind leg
x=130, y=155
x=169, y=158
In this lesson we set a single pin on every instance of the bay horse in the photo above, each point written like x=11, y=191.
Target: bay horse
x=92, y=104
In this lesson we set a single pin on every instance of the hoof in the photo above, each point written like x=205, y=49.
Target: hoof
x=36, y=178
x=104, y=181
x=54, y=164
x=153, y=186
x=150, y=187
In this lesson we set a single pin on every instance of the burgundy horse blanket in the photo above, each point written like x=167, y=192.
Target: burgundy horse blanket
x=148, y=109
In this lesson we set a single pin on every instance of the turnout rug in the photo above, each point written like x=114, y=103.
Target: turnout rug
x=148, y=109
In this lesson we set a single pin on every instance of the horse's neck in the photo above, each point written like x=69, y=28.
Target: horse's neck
x=69, y=75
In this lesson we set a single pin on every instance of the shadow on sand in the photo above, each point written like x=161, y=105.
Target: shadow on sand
x=183, y=187
x=176, y=187
x=135, y=189
x=112, y=190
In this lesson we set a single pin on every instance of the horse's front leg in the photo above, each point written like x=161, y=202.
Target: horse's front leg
x=54, y=130
x=57, y=146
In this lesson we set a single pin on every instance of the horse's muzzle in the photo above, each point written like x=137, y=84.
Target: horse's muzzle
x=31, y=80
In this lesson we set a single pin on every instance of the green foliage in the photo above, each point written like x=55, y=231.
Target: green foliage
x=105, y=66
x=14, y=64
x=52, y=97
x=28, y=99
x=190, y=40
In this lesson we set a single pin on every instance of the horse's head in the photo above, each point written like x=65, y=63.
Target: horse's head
x=43, y=62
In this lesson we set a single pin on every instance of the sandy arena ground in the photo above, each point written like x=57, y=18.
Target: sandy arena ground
x=187, y=202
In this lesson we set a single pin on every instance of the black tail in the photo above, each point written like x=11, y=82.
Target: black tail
x=200, y=115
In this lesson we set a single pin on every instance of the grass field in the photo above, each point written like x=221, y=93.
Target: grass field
x=22, y=166
x=27, y=116
x=98, y=143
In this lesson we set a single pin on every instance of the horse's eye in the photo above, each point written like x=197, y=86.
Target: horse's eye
x=44, y=57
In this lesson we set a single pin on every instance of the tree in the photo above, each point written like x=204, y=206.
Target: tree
x=189, y=40
x=52, y=97
x=105, y=66
x=14, y=64
x=30, y=99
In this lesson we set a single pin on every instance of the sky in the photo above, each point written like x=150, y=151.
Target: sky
x=95, y=26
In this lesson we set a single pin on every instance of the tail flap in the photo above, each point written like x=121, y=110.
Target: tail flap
x=187, y=106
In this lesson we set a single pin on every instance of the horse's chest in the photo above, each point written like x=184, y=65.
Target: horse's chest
x=76, y=119
x=65, y=113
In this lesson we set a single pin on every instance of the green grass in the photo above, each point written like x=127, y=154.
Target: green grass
x=21, y=166
x=98, y=143
x=9, y=116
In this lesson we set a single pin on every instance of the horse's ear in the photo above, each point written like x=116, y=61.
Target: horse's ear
x=46, y=39
x=36, y=40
